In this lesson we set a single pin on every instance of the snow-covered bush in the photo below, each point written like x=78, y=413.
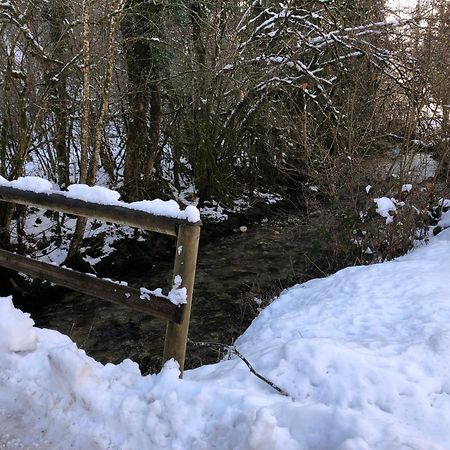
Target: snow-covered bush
x=384, y=222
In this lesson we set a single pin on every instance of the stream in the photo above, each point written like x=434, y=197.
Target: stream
x=232, y=271
x=236, y=270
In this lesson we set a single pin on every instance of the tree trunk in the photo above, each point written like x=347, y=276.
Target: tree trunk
x=140, y=27
x=80, y=226
x=56, y=16
x=88, y=175
x=154, y=133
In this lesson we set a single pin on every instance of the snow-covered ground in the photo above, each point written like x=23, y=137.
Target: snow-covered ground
x=363, y=354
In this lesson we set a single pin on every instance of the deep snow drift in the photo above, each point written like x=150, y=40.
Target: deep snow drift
x=364, y=355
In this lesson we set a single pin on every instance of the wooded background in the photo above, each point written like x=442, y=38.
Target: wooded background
x=153, y=97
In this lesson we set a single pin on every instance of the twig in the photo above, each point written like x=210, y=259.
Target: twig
x=90, y=331
x=232, y=349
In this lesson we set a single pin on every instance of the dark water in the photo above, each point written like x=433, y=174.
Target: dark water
x=231, y=272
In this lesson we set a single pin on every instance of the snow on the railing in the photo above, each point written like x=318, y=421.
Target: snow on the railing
x=169, y=208
x=96, y=194
x=104, y=196
x=33, y=184
x=177, y=295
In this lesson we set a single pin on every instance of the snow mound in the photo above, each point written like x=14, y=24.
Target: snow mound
x=16, y=329
x=363, y=354
x=445, y=218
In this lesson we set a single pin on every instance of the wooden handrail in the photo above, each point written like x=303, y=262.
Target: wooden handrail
x=108, y=213
x=91, y=285
x=188, y=235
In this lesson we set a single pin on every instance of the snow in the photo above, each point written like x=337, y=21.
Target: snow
x=392, y=21
x=269, y=197
x=384, y=206
x=407, y=187
x=168, y=208
x=213, y=211
x=445, y=219
x=146, y=293
x=177, y=295
x=418, y=166
x=364, y=356
x=103, y=196
x=34, y=184
x=39, y=226
x=96, y=194
x=17, y=334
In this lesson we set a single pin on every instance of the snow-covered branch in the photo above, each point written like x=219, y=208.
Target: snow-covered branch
x=10, y=13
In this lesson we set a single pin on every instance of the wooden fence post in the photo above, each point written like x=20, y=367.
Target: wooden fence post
x=185, y=264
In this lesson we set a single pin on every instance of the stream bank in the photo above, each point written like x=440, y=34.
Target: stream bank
x=235, y=272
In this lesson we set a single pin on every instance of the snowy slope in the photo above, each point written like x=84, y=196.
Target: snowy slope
x=364, y=355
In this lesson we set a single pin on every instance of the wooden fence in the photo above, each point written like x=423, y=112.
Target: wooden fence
x=187, y=233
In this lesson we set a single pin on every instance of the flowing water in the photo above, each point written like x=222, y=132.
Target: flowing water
x=232, y=270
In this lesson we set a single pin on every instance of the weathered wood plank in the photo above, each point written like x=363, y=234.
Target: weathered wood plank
x=89, y=285
x=185, y=264
x=115, y=214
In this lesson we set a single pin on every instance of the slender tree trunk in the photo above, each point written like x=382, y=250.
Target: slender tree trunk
x=17, y=161
x=88, y=174
x=154, y=133
x=4, y=136
x=117, y=8
x=6, y=209
x=86, y=102
x=136, y=141
x=57, y=86
x=80, y=226
x=202, y=158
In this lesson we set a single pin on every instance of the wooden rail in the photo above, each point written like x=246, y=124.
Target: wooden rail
x=90, y=285
x=188, y=234
x=108, y=213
